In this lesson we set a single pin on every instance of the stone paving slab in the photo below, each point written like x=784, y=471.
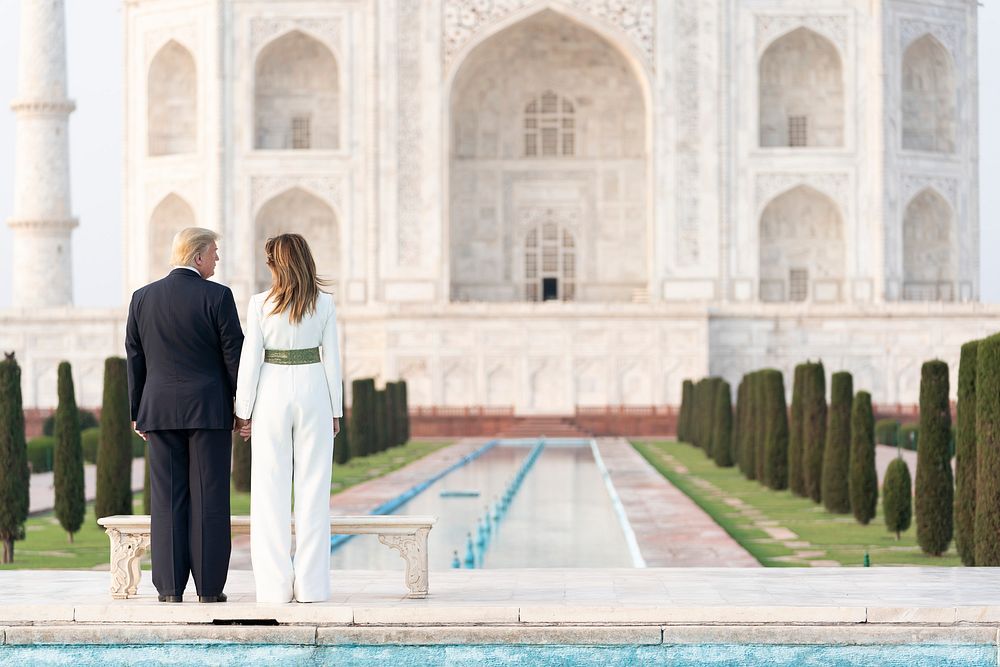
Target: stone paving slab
x=672, y=531
x=533, y=606
x=42, y=496
x=887, y=595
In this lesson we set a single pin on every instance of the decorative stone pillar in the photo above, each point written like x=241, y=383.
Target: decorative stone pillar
x=42, y=221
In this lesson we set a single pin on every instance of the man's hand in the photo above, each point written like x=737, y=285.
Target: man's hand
x=141, y=434
x=336, y=426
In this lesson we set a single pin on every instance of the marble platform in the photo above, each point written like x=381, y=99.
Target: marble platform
x=614, y=606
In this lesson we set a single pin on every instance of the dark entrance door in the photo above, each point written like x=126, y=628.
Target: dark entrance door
x=550, y=289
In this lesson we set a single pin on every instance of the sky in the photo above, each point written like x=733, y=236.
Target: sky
x=94, y=43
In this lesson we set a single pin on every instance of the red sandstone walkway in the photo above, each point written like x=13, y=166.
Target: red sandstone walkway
x=672, y=531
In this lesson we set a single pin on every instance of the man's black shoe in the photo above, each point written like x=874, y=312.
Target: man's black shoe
x=170, y=598
x=221, y=597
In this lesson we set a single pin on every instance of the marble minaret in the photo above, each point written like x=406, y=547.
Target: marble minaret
x=42, y=219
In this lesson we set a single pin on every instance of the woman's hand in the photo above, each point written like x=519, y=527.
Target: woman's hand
x=243, y=428
x=336, y=426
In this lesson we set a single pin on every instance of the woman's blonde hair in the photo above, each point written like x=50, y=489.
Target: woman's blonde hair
x=295, y=285
x=189, y=243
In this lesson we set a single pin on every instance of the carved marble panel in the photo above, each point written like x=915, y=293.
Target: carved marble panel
x=464, y=19
x=265, y=28
x=771, y=26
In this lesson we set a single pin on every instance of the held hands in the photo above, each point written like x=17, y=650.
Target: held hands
x=242, y=426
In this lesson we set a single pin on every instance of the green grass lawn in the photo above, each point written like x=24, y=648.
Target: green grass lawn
x=46, y=545
x=830, y=537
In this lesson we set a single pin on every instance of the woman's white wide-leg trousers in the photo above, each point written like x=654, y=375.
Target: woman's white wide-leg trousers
x=292, y=444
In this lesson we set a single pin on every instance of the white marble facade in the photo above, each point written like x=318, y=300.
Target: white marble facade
x=549, y=203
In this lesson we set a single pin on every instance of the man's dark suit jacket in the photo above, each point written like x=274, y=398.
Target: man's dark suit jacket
x=183, y=341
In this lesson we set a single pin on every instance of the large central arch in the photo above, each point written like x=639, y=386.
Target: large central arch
x=548, y=121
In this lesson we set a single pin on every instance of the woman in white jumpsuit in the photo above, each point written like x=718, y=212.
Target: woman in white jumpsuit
x=288, y=403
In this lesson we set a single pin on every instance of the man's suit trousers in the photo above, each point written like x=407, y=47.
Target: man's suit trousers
x=189, y=506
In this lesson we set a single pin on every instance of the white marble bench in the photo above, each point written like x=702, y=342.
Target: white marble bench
x=129, y=535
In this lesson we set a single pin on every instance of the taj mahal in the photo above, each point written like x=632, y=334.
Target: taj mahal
x=541, y=204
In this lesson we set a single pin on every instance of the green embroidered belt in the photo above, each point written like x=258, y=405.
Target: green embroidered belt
x=292, y=357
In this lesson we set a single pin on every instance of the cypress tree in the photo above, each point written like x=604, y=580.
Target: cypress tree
x=342, y=444
x=404, y=408
x=70, y=504
x=242, y=455
x=897, y=497
x=683, y=417
x=863, y=480
x=737, y=438
x=362, y=417
x=749, y=444
x=795, y=482
x=708, y=414
x=776, y=442
x=114, y=454
x=934, y=491
x=987, y=452
x=837, y=451
x=965, y=456
x=760, y=427
x=813, y=429
x=391, y=419
x=722, y=434
x=15, y=478
x=381, y=426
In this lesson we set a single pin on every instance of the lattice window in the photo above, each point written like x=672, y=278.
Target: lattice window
x=549, y=253
x=798, y=130
x=549, y=126
x=798, y=284
x=300, y=133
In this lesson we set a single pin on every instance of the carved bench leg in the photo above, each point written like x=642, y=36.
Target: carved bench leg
x=413, y=549
x=126, y=551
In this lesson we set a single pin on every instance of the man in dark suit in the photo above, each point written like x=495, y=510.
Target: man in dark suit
x=183, y=341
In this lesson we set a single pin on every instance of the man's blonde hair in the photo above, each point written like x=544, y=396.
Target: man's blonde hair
x=190, y=242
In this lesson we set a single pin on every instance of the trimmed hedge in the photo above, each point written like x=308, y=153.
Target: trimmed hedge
x=863, y=480
x=934, y=486
x=776, y=438
x=987, y=452
x=114, y=456
x=70, y=502
x=965, y=456
x=41, y=453
x=14, y=474
x=90, y=441
x=837, y=451
x=897, y=498
x=887, y=432
x=909, y=436
x=795, y=481
x=87, y=420
x=813, y=428
x=722, y=435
